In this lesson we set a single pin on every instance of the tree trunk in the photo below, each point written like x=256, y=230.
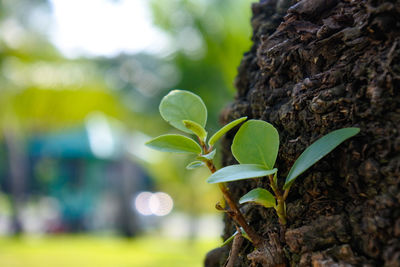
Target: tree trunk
x=17, y=166
x=317, y=66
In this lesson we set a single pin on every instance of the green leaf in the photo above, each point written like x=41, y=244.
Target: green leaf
x=229, y=239
x=194, y=165
x=208, y=156
x=260, y=196
x=179, y=105
x=244, y=234
x=318, y=150
x=224, y=130
x=196, y=128
x=256, y=142
x=174, y=143
x=239, y=172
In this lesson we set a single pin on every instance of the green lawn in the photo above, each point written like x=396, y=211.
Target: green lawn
x=90, y=251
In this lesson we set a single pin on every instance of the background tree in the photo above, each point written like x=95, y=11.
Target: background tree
x=44, y=93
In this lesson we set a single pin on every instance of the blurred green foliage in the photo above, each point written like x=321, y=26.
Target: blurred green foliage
x=41, y=90
x=210, y=39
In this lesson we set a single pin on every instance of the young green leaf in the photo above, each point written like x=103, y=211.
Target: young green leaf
x=224, y=130
x=259, y=196
x=318, y=150
x=256, y=142
x=196, y=128
x=174, y=143
x=229, y=239
x=179, y=105
x=194, y=165
x=239, y=172
x=244, y=234
x=208, y=156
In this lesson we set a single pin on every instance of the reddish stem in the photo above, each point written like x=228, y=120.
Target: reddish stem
x=237, y=215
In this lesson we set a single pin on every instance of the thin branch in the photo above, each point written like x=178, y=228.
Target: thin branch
x=236, y=245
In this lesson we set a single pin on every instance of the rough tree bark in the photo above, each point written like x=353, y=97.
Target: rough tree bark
x=316, y=66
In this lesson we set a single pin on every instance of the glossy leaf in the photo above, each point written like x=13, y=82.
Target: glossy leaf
x=259, y=196
x=194, y=165
x=239, y=172
x=224, y=130
x=208, y=156
x=318, y=150
x=196, y=128
x=181, y=105
x=174, y=143
x=256, y=142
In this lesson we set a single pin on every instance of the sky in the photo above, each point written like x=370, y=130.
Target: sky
x=105, y=28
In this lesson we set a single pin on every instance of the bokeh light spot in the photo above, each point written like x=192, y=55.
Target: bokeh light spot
x=142, y=203
x=161, y=204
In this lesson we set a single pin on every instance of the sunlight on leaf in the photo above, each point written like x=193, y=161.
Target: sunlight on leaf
x=174, y=143
x=196, y=128
x=181, y=105
x=224, y=130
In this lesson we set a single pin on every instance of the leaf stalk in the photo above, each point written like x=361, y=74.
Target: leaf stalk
x=280, y=198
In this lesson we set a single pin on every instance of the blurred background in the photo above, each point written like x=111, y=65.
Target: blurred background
x=80, y=84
